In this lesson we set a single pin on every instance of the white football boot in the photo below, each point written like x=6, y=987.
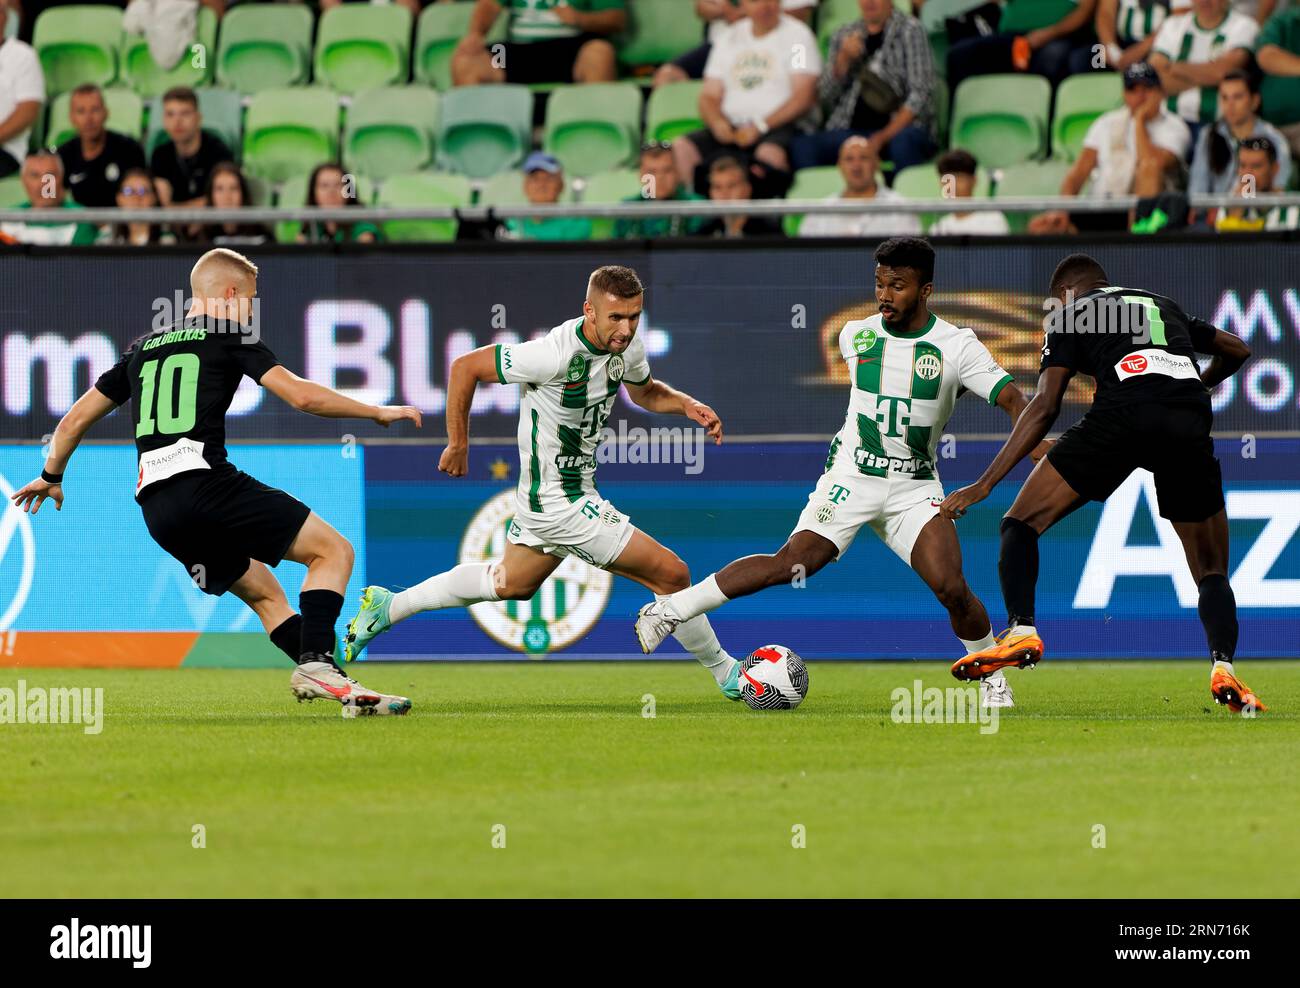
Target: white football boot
x=995, y=691
x=653, y=625
x=323, y=680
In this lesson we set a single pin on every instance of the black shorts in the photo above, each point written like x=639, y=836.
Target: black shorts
x=710, y=147
x=550, y=60
x=215, y=521
x=1171, y=440
x=693, y=61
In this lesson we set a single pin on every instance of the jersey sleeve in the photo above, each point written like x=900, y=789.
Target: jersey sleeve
x=637, y=368
x=534, y=362
x=978, y=371
x=253, y=358
x=115, y=383
x=1167, y=37
x=1059, y=347
x=1202, y=334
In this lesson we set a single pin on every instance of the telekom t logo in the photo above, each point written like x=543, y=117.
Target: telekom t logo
x=891, y=420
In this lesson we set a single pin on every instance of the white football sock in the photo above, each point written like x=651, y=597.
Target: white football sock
x=1024, y=629
x=1225, y=666
x=467, y=584
x=988, y=641
x=697, y=636
x=698, y=599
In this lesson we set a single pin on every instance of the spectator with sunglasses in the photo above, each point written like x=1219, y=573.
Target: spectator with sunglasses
x=660, y=182
x=137, y=191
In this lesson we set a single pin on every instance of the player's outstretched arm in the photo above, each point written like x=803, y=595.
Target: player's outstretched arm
x=316, y=399
x=1030, y=428
x=1229, y=353
x=1013, y=401
x=85, y=412
x=466, y=371
x=655, y=396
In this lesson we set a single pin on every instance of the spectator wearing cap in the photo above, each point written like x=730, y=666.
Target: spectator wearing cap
x=760, y=88
x=878, y=83
x=1138, y=149
x=729, y=181
x=718, y=15
x=1051, y=38
x=546, y=41
x=22, y=94
x=1257, y=166
x=957, y=173
x=96, y=159
x=543, y=186
x=858, y=165
x=54, y=213
x=1214, y=161
x=1127, y=28
x=1278, y=52
x=1194, y=51
x=660, y=182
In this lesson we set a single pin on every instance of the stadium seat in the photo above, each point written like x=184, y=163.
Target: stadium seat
x=611, y=186
x=834, y=14
x=922, y=182
x=811, y=183
x=125, y=115
x=12, y=192
x=77, y=44
x=594, y=127
x=362, y=46
x=484, y=129
x=1030, y=178
x=390, y=131
x=194, y=69
x=265, y=46
x=658, y=31
x=673, y=110
x=1001, y=119
x=438, y=31
x=1081, y=99
x=423, y=189
x=293, y=192
x=290, y=131
x=222, y=115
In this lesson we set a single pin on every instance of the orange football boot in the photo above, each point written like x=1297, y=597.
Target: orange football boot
x=1232, y=692
x=1020, y=649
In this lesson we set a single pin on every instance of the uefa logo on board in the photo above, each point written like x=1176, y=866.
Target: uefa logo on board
x=562, y=611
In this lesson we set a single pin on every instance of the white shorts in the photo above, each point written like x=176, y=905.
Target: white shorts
x=591, y=529
x=897, y=508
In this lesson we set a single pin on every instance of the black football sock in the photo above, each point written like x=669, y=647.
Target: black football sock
x=287, y=637
x=1218, y=609
x=1018, y=570
x=320, y=612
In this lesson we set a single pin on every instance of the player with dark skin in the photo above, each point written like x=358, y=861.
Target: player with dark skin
x=904, y=302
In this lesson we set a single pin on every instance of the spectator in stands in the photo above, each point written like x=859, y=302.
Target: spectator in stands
x=137, y=191
x=660, y=182
x=331, y=186
x=760, y=84
x=957, y=173
x=1214, y=161
x=181, y=165
x=97, y=158
x=545, y=42
x=1127, y=28
x=718, y=15
x=42, y=176
x=1257, y=162
x=878, y=81
x=1051, y=38
x=228, y=189
x=729, y=181
x=1195, y=50
x=543, y=186
x=1278, y=53
x=1137, y=149
x=22, y=93
x=858, y=164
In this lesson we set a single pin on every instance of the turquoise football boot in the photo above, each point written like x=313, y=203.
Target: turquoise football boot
x=731, y=685
x=371, y=620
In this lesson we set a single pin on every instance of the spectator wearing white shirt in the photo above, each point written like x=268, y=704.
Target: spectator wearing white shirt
x=1138, y=149
x=760, y=85
x=1195, y=50
x=858, y=164
x=1214, y=161
x=957, y=170
x=718, y=15
x=22, y=93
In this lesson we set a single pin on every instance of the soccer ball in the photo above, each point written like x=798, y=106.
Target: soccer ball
x=773, y=678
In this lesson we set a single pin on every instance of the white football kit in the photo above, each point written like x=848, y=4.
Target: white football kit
x=881, y=468
x=567, y=388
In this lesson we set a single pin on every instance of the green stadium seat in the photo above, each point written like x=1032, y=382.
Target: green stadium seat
x=293, y=192
x=673, y=110
x=594, y=127
x=1081, y=99
x=265, y=46
x=611, y=186
x=1001, y=119
x=260, y=191
x=142, y=73
x=1030, y=178
x=811, y=183
x=290, y=131
x=77, y=44
x=12, y=192
x=361, y=46
x=438, y=31
x=833, y=15
x=125, y=115
x=390, y=131
x=484, y=129
x=923, y=182
x=658, y=31
x=222, y=113
x=423, y=189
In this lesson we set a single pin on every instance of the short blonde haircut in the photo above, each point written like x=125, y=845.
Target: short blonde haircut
x=221, y=265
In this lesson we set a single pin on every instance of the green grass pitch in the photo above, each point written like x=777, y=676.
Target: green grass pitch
x=703, y=799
